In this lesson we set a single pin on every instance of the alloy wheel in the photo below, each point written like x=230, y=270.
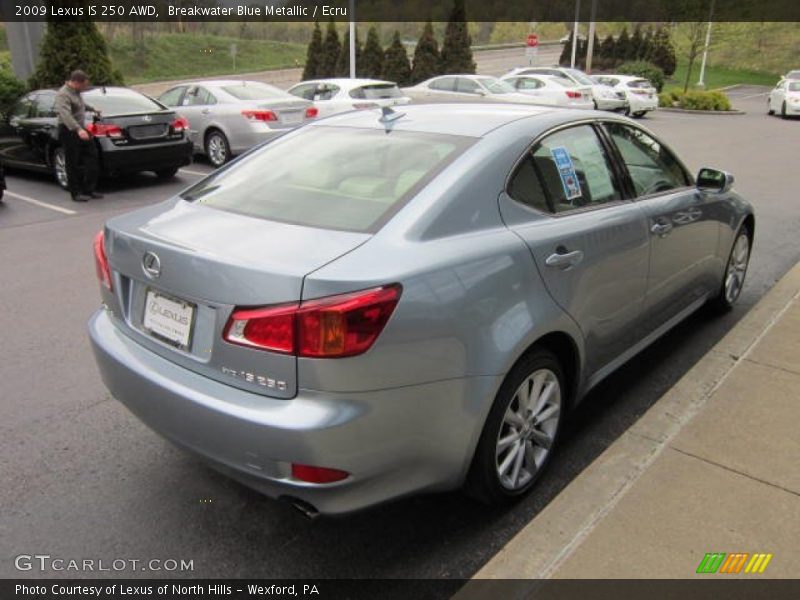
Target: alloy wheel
x=528, y=429
x=217, y=149
x=737, y=268
x=60, y=168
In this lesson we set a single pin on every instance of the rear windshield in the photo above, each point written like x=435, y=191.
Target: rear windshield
x=112, y=103
x=254, y=91
x=639, y=83
x=376, y=91
x=330, y=177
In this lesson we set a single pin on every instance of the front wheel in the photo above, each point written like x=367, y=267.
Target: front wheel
x=217, y=148
x=735, y=272
x=166, y=173
x=769, y=108
x=60, y=168
x=521, y=430
x=638, y=114
x=783, y=110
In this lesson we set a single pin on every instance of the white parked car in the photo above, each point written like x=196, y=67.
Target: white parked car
x=784, y=99
x=468, y=88
x=792, y=74
x=553, y=91
x=332, y=96
x=605, y=98
x=642, y=96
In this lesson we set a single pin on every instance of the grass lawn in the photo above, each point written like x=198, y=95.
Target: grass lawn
x=717, y=77
x=175, y=56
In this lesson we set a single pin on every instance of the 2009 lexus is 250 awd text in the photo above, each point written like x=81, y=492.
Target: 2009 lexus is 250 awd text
x=384, y=303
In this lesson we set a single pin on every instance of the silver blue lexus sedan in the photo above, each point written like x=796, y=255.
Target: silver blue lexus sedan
x=385, y=303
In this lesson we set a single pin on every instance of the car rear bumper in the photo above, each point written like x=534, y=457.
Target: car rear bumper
x=152, y=157
x=611, y=103
x=638, y=104
x=392, y=442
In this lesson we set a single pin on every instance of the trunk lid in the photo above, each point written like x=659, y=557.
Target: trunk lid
x=208, y=262
x=143, y=128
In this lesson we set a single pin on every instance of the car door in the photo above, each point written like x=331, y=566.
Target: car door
x=173, y=96
x=42, y=125
x=683, y=224
x=198, y=106
x=777, y=96
x=16, y=147
x=567, y=201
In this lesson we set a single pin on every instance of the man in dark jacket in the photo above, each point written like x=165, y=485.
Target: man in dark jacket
x=80, y=151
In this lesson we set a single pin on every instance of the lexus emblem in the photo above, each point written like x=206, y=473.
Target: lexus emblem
x=147, y=118
x=151, y=265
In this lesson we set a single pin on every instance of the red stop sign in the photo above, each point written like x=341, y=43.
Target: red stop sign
x=533, y=40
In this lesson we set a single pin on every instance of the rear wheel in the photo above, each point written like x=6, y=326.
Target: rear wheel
x=60, y=168
x=735, y=272
x=166, y=173
x=520, y=431
x=769, y=107
x=638, y=114
x=217, y=148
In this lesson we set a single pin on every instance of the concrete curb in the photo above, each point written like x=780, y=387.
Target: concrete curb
x=538, y=550
x=685, y=111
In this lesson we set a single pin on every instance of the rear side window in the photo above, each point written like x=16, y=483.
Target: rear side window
x=111, y=103
x=199, y=97
x=652, y=167
x=568, y=170
x=467, y=86
x=330, y=177
x=44, y=106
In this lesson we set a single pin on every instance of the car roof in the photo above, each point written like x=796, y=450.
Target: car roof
x=347, y=82
x=112, y=90
x=464, y=119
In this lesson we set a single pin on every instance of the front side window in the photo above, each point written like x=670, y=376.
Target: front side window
x=199, y=97
x=652, y=167
x=44, y=106
x=22, y=109
x=172, y=97
x=467, y=86
x=330, y=177
x=444, y=84
x=528, y=83
x=567, y=170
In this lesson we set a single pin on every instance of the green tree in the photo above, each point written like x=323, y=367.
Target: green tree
x=314, y=55
x=623, y=47
x=70, y=45
x=371, y=63
x=331, y=48
x=396, y=66
x=426, y=56
x=608, y=48
x=343, y=64
x=565, y=59
x=456, y=52
x=662, y=53
x=635, y=47
x=11, y=89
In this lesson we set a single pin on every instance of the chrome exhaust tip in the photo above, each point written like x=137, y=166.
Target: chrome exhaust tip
x=307, y=509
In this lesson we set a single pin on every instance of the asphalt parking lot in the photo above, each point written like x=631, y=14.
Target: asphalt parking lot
x=82, y=478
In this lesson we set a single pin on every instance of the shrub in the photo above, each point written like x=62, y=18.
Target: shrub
x=11, y=89
x=695, y=100
x=645, y=70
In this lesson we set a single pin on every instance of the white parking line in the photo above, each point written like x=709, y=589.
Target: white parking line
x=30, y=200
x=751, y=96
x=198, y=173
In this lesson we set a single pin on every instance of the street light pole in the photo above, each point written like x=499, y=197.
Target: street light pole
x=575, y=32
x=702, y=82
x=590, y=42
x=352, y=39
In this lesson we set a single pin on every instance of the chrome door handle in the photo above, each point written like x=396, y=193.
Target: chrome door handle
x=661, y=229
x=564, y=260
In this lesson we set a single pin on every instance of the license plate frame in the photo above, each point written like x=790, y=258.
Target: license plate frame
x=294, y=117
x=164, y=327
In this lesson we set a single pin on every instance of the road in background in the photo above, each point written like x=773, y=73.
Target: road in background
x=489, y=62
x=82, y=478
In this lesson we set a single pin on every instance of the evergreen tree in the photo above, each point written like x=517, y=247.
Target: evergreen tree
x=623, y=46
x=566, y=52
x=314, y=56
x=395, y=62
x=608, y=49
x=70, y=45
x=426, y=56
x=647, y=45
x=343, y=64
x=331, y=48
x=635, y=48
x=456, y=52
x=371, y=63
x=662, y=53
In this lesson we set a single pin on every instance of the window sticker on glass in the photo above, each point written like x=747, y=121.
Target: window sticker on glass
x=569, y=179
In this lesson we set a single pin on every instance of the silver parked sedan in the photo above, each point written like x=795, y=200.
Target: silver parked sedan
x=227, y=118
x=382, y=303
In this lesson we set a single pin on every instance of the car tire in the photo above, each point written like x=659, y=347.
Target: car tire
x=783, y=110
x=516, y=442
x=735, y=272
x=217, y=148
x=166, y=173
x=769, y=108
x=638, y=115
x=595, y=104
x=59, y=165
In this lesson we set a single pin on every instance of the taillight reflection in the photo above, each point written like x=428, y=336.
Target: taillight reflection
x=332, y=327
x=101, y=260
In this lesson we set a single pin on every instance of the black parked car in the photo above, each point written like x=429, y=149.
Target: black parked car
x=134, y=133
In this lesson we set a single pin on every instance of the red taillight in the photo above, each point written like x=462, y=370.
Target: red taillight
x=180, y=124
x=317, y=474
x=101, y=261
x=333, y=327
x=259, y=115
x=572, y=94
x=311, y=112
x=104, y=130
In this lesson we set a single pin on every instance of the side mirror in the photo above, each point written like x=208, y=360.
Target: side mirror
x=713, y=180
